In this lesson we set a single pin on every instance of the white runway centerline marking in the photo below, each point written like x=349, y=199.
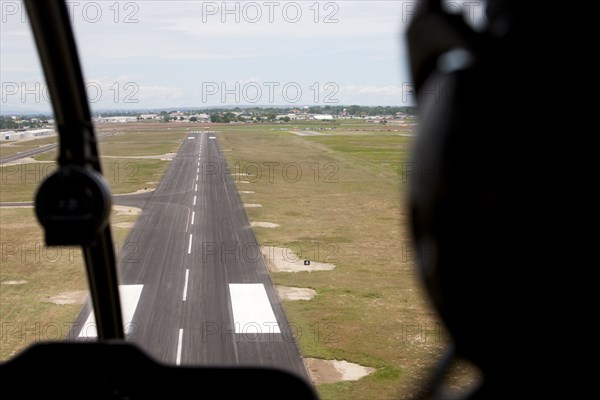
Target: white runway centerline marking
x=252, y=311
x=130, y=296
x=212, y=137
x=185, y=285
x=178, y=360
x=190, y=245
x=191, y=137
x=197, y=170
x=193, y=215
x=194, y=200
x=196, y=188
x=196, y=177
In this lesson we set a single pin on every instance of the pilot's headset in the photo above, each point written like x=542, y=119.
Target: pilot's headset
x=471, y=221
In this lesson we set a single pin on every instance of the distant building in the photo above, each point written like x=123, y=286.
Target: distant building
x=12, y=135
x=39, y=132
x=322, y=117
x=9, y=135
x=148, y=116
x=115, y=120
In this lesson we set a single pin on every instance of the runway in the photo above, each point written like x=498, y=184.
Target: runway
x=194, y=285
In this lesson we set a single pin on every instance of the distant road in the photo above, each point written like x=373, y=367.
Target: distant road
x=195, y=289
x=28, y=153
x=39, y=150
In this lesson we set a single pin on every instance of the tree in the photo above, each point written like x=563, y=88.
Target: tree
x=166, y=118
x=193, y=119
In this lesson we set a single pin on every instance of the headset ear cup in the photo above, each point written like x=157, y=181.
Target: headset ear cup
x=456, y=203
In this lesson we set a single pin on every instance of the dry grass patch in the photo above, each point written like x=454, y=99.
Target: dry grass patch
x=340, y=200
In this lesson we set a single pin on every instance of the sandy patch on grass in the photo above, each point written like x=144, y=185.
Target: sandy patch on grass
x=144, y=190
x=16, y=282
x=125, y=225
x=252, y=205
x=77, y=297
x=295, y=293
x=242, y=181
x=246, y=191
x=263, y=224
x=167, y=156
x=124, y=210
x=23, y=206
x=27, y=160
x=330, y=371
x=307, y=133
x=281, y=259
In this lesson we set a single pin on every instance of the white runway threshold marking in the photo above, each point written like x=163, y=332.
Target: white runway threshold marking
x=252, y=311
x=130, y=296
x=185, y=286
x=178, y=361
x=190, y=245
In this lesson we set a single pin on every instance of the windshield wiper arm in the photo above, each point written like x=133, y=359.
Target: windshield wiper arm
x=73, y=204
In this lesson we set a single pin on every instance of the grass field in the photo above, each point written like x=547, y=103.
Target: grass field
x=340, y=198
x=123, y=162
x=30, y=272
x=18, y=146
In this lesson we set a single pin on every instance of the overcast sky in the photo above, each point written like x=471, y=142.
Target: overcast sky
x=155, y=54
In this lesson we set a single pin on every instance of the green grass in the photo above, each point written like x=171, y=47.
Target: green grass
x=18, y=146
x=47, y=271
x=347, y=207
x=371, y=309
x=124, y=168
x=24, y=317
x=127, y=175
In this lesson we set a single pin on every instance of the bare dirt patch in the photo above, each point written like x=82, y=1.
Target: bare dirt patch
x=281, y=259
x=27, y=160
x=136, y=192
x=125, y=225
x=307, y=133
x=124, y=210
x=295, y=293
x=14, y=282
x=167, y=156
x=263, y=224
x=77, y=297
x=330, y=371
